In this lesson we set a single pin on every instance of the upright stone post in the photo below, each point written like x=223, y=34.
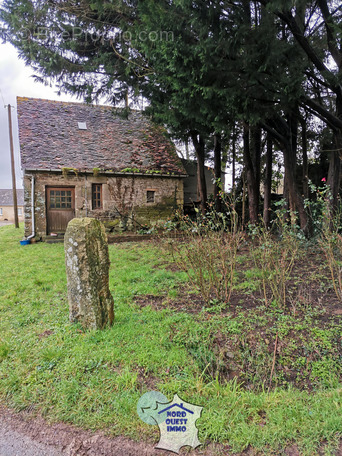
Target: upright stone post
x=87, y=268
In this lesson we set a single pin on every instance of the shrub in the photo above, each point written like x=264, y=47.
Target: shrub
x=207, y=252
x=274, y=255
x=331, y=244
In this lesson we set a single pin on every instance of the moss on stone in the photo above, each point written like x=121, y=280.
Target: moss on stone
x=87, y=266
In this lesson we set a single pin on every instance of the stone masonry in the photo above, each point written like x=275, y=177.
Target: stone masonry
x=87, y=267
x=95, y=161
x=124, y=198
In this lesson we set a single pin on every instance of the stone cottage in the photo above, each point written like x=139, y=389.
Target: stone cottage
x=92, y=161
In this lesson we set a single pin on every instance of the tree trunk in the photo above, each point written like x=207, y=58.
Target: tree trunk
x=295, y=197
x=334, y=172
x=233, y=161
x=243, y=199
x=284, y=132
x=217, y=171
x=293, y=124
x=335, y=161
x=187, y=154
x=286, y=199
x=199, y=146
x=255, y=147
x=268, y=182
x=252, y=189
x=305, y=160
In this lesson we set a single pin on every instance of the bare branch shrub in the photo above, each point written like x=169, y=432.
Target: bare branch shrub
x=274, y=255
x=331, y=244
x=207, y=252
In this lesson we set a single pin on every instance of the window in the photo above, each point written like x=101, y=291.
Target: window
x=150, y=196
x=60, y=199
x=82, y=125
x=20, y=211
x=0, y=210
x=97, y=196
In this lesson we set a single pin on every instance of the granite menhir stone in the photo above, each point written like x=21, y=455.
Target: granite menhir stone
x=87, y=267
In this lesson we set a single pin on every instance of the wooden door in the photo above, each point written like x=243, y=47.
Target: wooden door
x=60, y=208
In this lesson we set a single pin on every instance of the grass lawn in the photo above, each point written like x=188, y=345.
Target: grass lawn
x=165, y=338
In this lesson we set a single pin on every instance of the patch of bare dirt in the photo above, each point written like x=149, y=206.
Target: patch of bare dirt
x=185, y=302
x=310, y=284
x=74, y=441
x=44, y=334
x=249, y=354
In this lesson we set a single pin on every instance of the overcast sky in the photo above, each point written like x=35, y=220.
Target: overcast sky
x=16, y=80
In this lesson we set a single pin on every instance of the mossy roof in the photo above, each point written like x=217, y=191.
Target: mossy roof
x=50, y=138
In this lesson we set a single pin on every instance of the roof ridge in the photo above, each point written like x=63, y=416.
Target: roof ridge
x=50, y=138
x=6, y=196
x=79, y=103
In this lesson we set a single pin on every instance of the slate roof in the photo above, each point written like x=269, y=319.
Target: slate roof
x=6, y=197
x=50, y=138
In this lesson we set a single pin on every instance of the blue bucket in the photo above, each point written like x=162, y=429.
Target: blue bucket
x=25, y=242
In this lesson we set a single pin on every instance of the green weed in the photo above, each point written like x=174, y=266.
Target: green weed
x=94, y=379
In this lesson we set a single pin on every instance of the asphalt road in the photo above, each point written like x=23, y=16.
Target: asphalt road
x=13, y=443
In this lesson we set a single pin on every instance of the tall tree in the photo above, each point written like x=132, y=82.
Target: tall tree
x=316, y=27
x=243, y=61
x=268, y=182
x=251, y=176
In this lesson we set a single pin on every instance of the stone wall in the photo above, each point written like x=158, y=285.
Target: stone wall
x=124, y=198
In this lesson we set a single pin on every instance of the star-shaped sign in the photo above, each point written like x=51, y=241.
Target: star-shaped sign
x=178, y=427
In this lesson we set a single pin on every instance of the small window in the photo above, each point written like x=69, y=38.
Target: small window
x=97, y=196
x=150, y=196
x=20, y=211
x=0, y=210
x=82, y=125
